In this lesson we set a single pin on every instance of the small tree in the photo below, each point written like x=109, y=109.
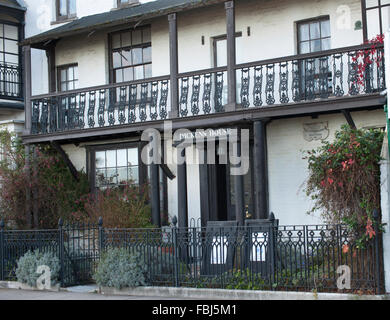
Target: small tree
x=344, y=178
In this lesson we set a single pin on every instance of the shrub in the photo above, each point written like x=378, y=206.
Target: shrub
x=28, y=264
x=122, y=207
x=344, y=178
x=55, y=189
x=119, y=269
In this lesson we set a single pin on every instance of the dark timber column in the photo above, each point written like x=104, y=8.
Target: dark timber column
x=174, y=65
x=27, y=91
x=239, y=192
x=155, y=180
x=260, y=169
x=182, y=190
x=51, y=62
x=231, y=54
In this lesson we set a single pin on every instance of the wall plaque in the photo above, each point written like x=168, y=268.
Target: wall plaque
x=315, y=131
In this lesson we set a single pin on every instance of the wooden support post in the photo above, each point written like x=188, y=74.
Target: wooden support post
x=27, y=90
x=174, y=65
x=239, y=193
x=155, y=181
x=28, y=206
x=51, y=62
x=349, y=119
x=231, y=55
x=260, y=169
x=182, y=191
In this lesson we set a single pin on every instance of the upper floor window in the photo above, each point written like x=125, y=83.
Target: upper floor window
x=314, y=35
x=377, y=17
x=131, y=53
x=68, y=78
x=9, y=49
x=66, y=9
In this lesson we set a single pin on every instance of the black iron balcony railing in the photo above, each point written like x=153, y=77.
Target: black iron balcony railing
x=10, y=81
x=331, y=74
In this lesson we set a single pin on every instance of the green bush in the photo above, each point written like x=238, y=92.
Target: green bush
x=119, y=269
x=28, y=264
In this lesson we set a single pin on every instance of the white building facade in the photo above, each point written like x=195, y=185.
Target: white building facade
x=114, y=70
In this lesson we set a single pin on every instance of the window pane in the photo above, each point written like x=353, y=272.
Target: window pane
x=136, y=37
x=139, y=72
x=325, y=28
x=128, y=74
x=1, y=47
x=137, y=55
x=383, y=2
x=304, y=47
x=373, y=23
x=112, y=176
x=126, y=58
x=100, y=159
x=1, y=30
x=133, y=174
x=148, y=71
x=11, y=58
x=72, y=7
x=122, y=175
x=63, y=8
x=10, y=32
x=76, y=72
x=11, y=46
x=70, y=74
x=326, y=44
x=64, y=86
x=116, y=59
x=315, y=45
x=100, y=177
x=371, y=3
x=122, y=158
x=111, y=158
x=146, y=37
x=314, y=30
x=132, y=155
x=147, y=54
x=116, y=41
x=118, y=75
x=304, y=32
x=126, y=39
x=221, y=53
x=385, y=19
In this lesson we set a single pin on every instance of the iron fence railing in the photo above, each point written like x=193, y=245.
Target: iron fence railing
x=336, y=73
x=256, y=256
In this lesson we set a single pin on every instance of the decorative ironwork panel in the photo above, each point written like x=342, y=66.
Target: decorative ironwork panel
x=353, y=76
x=91, y=108
x=132, y=103
x=338, y=71
x=195, y=95
x=102, y=107
x=310, y=71
x=44, y=116
x=111, y=106
x=53, y=112
x=244, y=93
x=122, y=105
x=164, y=99
x=153, y=103
x=270, y=84
x=219, y=92
x=258, y=86
x=296, y=81
x=183, y=107
x=283, y=82
x=82, y=105
x=144, y=100
x=324, y=76
x=206, y=100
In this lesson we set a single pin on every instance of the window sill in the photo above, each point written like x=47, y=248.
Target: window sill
x=63, y=21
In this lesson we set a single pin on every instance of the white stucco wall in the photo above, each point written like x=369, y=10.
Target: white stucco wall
x=288, y=171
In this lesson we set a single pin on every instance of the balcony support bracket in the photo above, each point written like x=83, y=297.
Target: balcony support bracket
x=349, y=119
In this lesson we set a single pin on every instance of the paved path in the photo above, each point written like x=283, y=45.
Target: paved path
x=12, y=294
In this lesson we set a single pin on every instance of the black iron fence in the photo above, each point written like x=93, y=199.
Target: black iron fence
x=262, y=256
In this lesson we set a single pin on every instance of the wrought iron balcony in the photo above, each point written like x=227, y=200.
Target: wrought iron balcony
x=10, y=81
x=333, y=74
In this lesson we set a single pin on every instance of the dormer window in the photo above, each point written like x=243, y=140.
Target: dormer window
x=66, y=9
x=126, y=3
